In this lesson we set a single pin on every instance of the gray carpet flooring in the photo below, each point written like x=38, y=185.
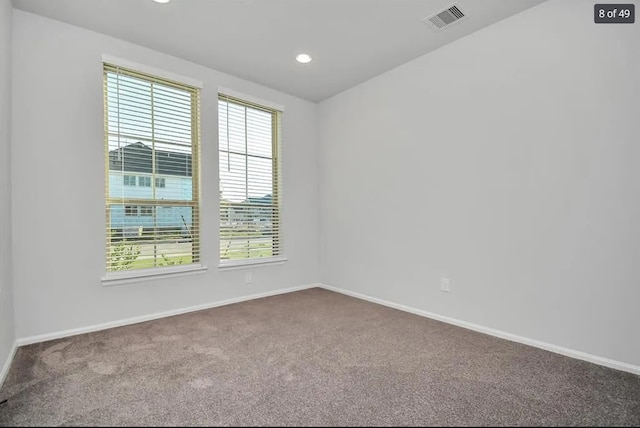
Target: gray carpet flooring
x=312, y=357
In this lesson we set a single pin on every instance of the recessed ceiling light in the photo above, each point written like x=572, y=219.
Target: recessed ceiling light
x=162, y=1
x=303, y=58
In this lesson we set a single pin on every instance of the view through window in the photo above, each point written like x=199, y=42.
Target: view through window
x=151, y=149
x=249, y=181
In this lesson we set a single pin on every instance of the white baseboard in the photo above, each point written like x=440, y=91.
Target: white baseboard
x=7, y=363
x=97, y=327
x=618, y=365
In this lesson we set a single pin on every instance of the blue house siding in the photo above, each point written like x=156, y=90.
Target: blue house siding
x=169, y=219
x=129, y=219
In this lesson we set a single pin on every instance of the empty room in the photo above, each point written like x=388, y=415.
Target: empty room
x=319, y=213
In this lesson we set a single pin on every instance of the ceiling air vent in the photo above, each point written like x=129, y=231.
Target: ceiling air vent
x=445, y=18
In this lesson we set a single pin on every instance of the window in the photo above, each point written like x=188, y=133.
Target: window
x=151, y=130
x=129, y=180
x=249, y=181
x=131, y=210
x=146, y=211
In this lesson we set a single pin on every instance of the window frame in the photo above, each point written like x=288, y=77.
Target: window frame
x=113, y=277
x=146, y=210
x=144, y=181
x=131, y=210
x=276, y=146
x=129, y=180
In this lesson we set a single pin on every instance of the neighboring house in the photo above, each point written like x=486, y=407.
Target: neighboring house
x=131, y=179
x=252, y=210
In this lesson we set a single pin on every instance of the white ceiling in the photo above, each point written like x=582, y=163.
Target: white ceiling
x=350, y=40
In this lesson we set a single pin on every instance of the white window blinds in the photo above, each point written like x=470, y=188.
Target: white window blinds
x=151, y=167
x=250, y=191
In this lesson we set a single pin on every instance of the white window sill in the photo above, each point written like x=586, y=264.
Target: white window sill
x=250, y=263
x=126, y=277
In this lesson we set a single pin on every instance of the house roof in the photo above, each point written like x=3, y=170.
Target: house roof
x=137, y=157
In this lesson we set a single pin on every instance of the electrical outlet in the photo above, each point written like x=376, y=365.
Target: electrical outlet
x=247, y=278
x=445, y=284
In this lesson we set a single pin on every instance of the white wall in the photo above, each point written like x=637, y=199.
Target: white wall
x=6, y=288
x=58, y=177
x=507, y=161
